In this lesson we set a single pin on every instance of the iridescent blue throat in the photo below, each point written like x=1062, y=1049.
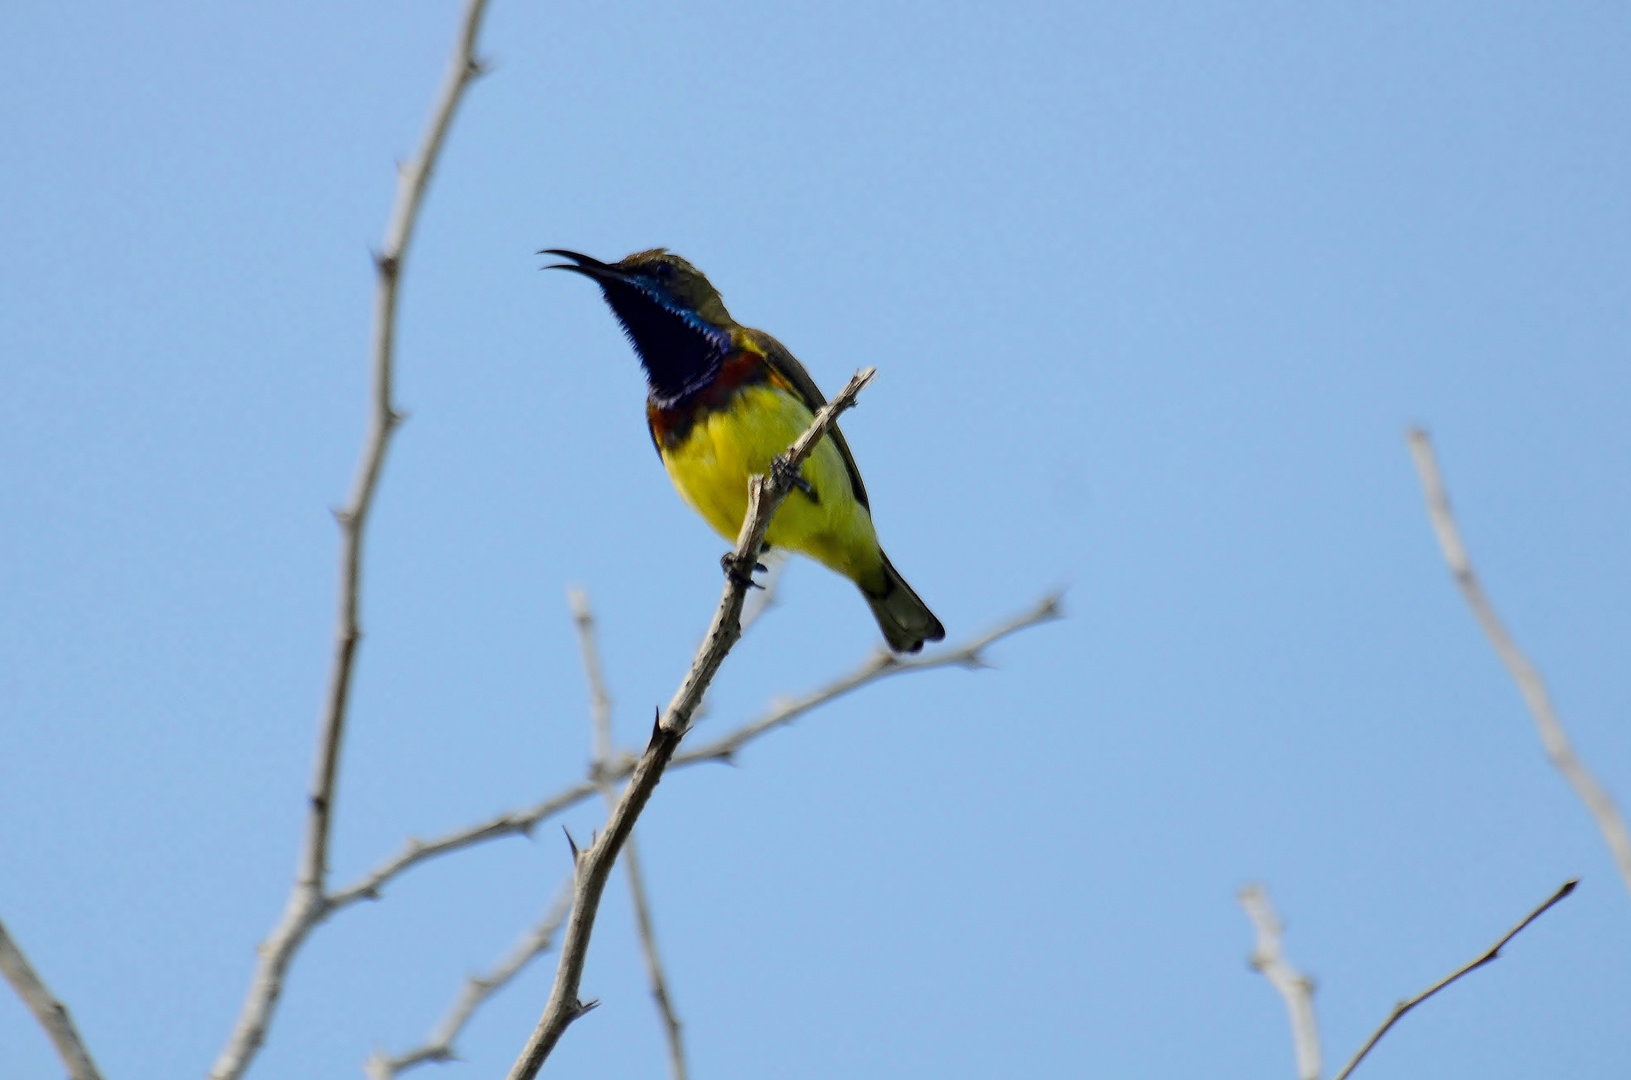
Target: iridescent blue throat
x=680, y=350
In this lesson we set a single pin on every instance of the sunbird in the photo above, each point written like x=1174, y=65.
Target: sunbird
x=723, y=400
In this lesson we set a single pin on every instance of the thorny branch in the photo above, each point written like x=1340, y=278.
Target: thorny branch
x=1530, y=683
x=308, y=902
x=438, y=1046
x=594, y=864
x=1292, y=985
x=882, y=665
x=968, y=655
x=51, y=1014
x=1493, y=952
x=600, y=712
x=971, y=654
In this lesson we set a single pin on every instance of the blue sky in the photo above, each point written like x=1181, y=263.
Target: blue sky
x=1153, y=292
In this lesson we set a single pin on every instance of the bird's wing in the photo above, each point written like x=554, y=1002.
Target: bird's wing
x=789, y=368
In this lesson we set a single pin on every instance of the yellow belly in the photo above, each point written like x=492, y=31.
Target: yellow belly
x=724, y=448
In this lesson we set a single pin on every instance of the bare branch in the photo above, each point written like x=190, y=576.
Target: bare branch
x=438, y=1047
x=522, y=822
x=765, y=495
x=1530, y=684
x=416, y=851
x=51, y=1014
x=881, y=666
x=1494, y=951
x=1294, y=987
x=600, y=709
x=655, y=975
x=307, y=904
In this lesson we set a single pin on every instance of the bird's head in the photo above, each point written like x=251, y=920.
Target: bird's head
x=670, y=312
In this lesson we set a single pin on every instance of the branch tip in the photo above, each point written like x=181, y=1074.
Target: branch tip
x=1494, y=953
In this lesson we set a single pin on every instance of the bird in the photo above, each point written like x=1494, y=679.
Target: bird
x=723, y=400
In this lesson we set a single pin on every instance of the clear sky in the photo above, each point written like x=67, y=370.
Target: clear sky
x=1153, y=291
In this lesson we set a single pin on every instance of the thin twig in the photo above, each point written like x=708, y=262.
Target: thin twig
x=49, y=1013
x=308, y=903
x=882, y=665
x=655, y=975
x=600, y=710
x=438, y=1047
x=593, y=865
x=1293, y=986
x=416, y=851
x=1494, y=951
x=522, y=822
x=1530, y=683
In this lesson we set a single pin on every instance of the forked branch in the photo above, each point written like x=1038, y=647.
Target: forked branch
x=308, y=902
x=970, y=654
x=600, y=714
x=438, y=1047
x=594, y=864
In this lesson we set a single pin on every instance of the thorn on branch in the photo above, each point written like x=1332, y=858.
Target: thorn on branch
x=571, y=843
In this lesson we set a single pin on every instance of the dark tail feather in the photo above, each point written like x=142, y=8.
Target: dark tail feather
x=905, y=620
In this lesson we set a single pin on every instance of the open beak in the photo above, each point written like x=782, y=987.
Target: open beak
x=584, y=265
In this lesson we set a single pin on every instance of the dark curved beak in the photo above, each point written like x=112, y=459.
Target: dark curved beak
x=582, y=264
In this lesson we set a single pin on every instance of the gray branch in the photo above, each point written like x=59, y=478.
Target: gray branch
x=594, y=864
x=600, y=710
x=1493, y=952
x=882, y=665
x=438, y=1046
x=51, y=1014
x=308, y=905
x=970, y=655
x=1293, y=986
x=1530, y=683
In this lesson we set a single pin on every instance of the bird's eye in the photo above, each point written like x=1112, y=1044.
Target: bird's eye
x=663, y=272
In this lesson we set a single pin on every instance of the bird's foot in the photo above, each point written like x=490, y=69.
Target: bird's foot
x=786, y=476
x=740, y=571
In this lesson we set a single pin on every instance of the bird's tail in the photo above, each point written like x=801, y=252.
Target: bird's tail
x=905, y=620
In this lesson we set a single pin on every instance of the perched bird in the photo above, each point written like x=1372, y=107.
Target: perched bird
x=724, y=401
